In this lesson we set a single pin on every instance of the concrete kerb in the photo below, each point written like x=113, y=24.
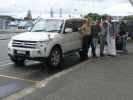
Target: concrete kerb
x=43, y=83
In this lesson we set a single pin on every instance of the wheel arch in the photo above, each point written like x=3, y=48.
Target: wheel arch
x=56, y=45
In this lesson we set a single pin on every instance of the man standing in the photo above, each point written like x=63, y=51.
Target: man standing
x=94, y=33
x=110, y=37
x=102, y=36
x=124, y=35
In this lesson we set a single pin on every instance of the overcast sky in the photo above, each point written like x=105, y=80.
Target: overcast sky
x=19, y=7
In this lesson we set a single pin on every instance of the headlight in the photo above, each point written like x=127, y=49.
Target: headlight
x=41, y=44
x=10, y=43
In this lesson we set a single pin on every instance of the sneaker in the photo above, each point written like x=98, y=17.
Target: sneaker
x=94, y=56
x=112, y=55
x=102, y=55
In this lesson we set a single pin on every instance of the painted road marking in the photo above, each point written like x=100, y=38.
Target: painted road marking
x=6, y=64
x=11, y=88
x=20, y=94
x=42, y=84
x=4, y=61
x=18, y=78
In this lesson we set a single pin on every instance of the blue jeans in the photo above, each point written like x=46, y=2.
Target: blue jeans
x=102, y=40
x=87, y=42
x=93, y=46
x=86, y=45
x=124, y=41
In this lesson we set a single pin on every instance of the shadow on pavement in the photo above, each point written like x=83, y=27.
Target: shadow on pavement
x=38, y=71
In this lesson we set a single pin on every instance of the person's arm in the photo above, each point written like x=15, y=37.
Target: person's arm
x=82, y=30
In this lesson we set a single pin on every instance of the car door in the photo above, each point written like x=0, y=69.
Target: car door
x=67, y=40
x=71, y=40
x=77, y=43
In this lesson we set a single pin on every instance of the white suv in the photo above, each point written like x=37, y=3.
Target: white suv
x=49, y=39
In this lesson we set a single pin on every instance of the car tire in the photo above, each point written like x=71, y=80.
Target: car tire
x=81, y=53
x=18, y=61
x=55, y=58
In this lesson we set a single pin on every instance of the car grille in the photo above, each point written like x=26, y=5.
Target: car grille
x=24, y=44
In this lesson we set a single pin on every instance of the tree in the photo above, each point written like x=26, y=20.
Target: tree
x=28, y=16
x=94, y=17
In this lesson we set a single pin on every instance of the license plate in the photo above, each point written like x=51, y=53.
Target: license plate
x=21, y=52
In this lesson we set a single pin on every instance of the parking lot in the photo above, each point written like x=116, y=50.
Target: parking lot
x=16, y=78
x=27, y=75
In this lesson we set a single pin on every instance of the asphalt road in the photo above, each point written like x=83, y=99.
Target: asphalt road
x=24, y=76
x=107, y=78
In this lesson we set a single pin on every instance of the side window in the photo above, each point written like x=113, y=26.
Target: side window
x=68, y=24
x=76, y=25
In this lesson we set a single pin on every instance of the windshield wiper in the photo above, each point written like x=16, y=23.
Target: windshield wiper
x=39, y=31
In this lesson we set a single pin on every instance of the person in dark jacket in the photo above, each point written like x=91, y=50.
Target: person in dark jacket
x=94, y=33
x=123, y=34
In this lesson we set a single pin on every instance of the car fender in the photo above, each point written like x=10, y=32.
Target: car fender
x=52, y=45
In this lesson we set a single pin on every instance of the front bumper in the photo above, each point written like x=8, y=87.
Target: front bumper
x=27, y=53
x=27, y=57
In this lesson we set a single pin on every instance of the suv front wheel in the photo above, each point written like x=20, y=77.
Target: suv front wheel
x=55, y=57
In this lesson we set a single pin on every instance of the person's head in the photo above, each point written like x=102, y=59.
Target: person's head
x=103, y=18
x=103, y=21
x=108, y=18
x=88, y=20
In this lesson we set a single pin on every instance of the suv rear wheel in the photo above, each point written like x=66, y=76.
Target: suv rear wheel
x=55, y=57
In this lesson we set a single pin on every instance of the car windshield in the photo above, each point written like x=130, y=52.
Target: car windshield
x=48, y=25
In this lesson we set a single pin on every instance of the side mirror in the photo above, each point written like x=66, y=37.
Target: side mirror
x=68, y=30
x=29, y=29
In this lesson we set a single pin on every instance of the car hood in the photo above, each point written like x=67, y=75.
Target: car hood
x=35, y=36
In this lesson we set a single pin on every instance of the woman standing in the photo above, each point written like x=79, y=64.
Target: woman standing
x=86, y=37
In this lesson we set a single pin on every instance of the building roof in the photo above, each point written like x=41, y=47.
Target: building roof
x=6, y=17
